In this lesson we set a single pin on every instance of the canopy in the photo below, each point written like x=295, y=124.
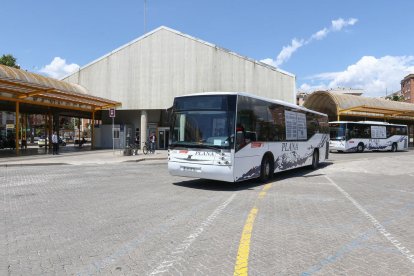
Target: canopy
x=21, y=86
x=337, y=105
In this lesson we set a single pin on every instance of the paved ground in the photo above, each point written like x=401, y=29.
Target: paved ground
x=75, y=156
x=354, y=216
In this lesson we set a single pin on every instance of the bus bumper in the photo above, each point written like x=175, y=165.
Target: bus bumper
x=214, y=172
x=337, y=146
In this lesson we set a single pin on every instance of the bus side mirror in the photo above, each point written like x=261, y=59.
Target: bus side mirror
x=239, y=137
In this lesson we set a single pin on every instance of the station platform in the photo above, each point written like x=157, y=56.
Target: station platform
x=73, y=155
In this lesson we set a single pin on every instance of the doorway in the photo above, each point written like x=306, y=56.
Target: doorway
x=163, y=137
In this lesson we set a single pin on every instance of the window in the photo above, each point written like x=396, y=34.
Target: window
x=337, y=131
x=359, y=131
x=312, y=124
x=200, y=121
x=253, y=118
x=277, y=122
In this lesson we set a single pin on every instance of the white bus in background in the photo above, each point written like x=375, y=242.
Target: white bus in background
x=232, y=137
x=367, y=135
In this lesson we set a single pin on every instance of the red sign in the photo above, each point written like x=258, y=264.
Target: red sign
x=112, y=112
x=256, y=144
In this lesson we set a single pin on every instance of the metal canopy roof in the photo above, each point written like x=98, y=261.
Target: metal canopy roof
x=336, y=104
x=20, y=86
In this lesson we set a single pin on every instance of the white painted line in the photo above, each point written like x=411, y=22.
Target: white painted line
x=407, y=253
x=175, y=255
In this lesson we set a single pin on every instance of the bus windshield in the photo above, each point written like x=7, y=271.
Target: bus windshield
x=208, y=124
x=338, y=131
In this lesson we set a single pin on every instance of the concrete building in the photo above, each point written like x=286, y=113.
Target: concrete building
x=407, y=88
x=301, y=97
x=146, y=74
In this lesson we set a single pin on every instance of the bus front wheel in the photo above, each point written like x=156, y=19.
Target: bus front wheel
x=266, y=168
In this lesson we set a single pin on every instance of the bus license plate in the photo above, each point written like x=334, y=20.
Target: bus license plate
x=190, y=169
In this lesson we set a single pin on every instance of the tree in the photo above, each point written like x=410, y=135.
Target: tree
x=9, y=60
x=397, y=98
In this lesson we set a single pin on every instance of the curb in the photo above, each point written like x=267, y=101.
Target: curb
x=145, y=159
x=32, y=164
x=58, y=164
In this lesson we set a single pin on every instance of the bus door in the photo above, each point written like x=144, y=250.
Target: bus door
x=163, y=138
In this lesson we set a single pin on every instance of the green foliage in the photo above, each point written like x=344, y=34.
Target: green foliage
x=9, y=60
x=397, y=98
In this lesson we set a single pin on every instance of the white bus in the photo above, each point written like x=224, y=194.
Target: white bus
x=367, y=135
x=232, y=136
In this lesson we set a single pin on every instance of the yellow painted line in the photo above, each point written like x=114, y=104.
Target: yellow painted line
x=241, y=267
x=244, y=247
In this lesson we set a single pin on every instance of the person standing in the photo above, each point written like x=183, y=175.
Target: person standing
x=55, y=143
x=152, y=142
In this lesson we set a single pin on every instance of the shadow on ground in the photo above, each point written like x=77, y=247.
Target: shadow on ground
x=214, y=185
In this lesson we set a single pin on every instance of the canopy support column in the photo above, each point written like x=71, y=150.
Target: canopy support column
x=49, y=130
x=143, y=128
x=79, y=136
x=93, y=130
x=17, y=126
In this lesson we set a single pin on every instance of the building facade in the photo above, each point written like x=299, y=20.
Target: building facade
x=407, y=88
x=146, y=74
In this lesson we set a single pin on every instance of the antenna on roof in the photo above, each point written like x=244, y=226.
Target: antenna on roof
x=145, y=16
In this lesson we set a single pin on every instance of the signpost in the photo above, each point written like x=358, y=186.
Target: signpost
x=112, y=115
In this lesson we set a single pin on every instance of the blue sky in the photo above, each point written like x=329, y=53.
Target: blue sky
x=326, y=44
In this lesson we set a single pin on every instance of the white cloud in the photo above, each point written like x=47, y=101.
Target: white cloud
x=58, y=68
x=320, y=34
x=340, y=23
x=375, y=76
x=268, y=61
x=287, y=51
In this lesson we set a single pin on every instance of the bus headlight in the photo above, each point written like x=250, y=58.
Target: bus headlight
x=224, y=158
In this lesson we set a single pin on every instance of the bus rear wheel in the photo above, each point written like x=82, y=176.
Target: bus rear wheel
x=266, y=169
x=394, y=147
x=315, y=160
x=360, y=147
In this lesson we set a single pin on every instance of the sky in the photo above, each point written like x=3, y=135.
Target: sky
x=325, y=43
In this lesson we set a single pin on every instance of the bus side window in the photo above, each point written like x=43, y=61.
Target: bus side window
x=240, y=141
x=240, y=137
x=388, y=130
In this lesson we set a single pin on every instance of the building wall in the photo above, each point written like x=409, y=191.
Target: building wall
x=150, y=72
x=407, y=88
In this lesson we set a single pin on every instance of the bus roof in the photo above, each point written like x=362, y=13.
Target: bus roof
x=366, y=123
x=256, y=97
